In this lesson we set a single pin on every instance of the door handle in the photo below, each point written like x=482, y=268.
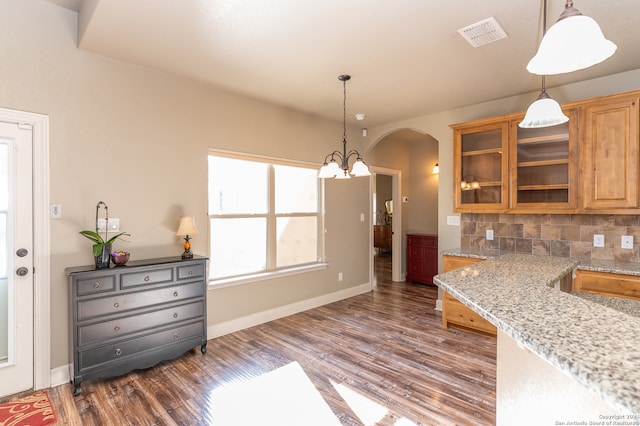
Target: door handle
x=22, y=252
x=22, y=271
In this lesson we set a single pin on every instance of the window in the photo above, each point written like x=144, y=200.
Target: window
x=264, y=216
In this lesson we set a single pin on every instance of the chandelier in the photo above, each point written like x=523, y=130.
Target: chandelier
x=336, y=164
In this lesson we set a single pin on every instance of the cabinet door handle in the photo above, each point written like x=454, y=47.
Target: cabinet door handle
x=175, y=336
x=116, y=328
x=116, y=305
x=146, y=279
x=96, y=285
x=118, y=352
x=175, y=315
x=175, y=294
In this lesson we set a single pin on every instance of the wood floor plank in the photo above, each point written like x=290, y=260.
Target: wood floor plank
x=387, y=346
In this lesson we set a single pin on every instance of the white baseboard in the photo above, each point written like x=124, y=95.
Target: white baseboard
x=61, y=375
x=217, y=330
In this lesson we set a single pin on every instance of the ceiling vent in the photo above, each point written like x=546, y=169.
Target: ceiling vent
x=483, y=32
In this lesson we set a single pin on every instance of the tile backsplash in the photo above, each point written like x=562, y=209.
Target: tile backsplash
x=552, y=234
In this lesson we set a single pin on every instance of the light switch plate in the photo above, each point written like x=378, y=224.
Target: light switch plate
x=114, y=225
x=453, y=220
x=598, y=240
x=627, y=242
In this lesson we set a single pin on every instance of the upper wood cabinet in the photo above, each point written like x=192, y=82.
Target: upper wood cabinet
x=610, y=157
x=544, y=172
x=589, y=165
x=480, y=153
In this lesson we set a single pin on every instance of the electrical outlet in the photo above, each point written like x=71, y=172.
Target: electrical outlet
x=489, y=235
x=55, y=211
x=598, y=240
x=627, y=242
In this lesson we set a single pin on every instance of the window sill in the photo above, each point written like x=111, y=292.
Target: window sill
x=248, y=279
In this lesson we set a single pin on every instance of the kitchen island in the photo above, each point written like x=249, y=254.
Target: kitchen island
x=595, y=347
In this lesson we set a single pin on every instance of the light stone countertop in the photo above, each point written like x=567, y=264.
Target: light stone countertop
x=596, y=345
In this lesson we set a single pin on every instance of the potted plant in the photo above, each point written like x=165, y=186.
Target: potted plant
x=102, y=246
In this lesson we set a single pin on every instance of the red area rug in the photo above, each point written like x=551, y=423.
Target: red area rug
x=32, y=410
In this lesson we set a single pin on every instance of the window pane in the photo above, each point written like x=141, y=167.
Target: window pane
x=297, y=240
x=237, y=186
x=296, y=189
x=4, y=176
x=238, y=246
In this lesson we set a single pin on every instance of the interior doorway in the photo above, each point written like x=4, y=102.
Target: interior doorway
x=387, y=219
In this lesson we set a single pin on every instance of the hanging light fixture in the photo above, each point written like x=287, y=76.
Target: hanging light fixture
x=544, y=111
x=573, y=43
x=336, y=164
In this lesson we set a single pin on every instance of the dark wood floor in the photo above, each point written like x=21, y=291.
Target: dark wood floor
x=386, y=345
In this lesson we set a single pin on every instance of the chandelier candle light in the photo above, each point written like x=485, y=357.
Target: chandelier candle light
x=332, y=169
x=186, y=228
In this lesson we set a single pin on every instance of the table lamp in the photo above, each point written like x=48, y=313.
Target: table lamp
x=186, y=228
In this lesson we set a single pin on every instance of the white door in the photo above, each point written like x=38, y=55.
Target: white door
x=16, y=258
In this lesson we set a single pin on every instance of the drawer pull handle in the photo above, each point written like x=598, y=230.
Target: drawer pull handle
x=146, y=279
x=175, y=315
x=175, y=336
x=96, y=285
x=118, y=352
x=190, y=273
x=116, y=328
x=175, y=294
x=116, y=305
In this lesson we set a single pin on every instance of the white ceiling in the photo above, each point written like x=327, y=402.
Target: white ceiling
x=405, y=57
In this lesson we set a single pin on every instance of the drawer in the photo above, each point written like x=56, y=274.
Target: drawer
x=449, y=263
x=154, y=276
x=423, y=240
x=86, y=286
x=458, y=315
x=128, y=301
x=609, y=284
x=128, y=348
x=191, y=271
x=127, y=325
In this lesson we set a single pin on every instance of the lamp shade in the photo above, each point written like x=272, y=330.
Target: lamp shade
x=543, y=112
x=187, y=226
x=571, y=44
x=329, y=170
x=343, y=174
x=360, y=169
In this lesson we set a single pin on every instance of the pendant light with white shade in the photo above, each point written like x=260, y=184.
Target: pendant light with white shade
x=573, y=43
x=544, y=111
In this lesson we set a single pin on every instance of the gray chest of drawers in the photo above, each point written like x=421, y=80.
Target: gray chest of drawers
x=134, y=316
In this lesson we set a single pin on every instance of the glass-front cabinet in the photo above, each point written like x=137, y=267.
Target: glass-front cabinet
x=543, y=166
x=481, y=168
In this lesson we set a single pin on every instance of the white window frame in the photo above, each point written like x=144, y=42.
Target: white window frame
x=271, y=216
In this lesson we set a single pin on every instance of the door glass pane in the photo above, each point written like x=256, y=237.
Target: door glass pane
x=237, y=186
x=4, y=283
x=238, y=246
x=297, y=240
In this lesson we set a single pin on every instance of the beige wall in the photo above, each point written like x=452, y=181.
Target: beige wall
x=137, y=139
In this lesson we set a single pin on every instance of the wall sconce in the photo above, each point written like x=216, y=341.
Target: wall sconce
x=468, y=183
x=436, y=169
x=186, y=228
